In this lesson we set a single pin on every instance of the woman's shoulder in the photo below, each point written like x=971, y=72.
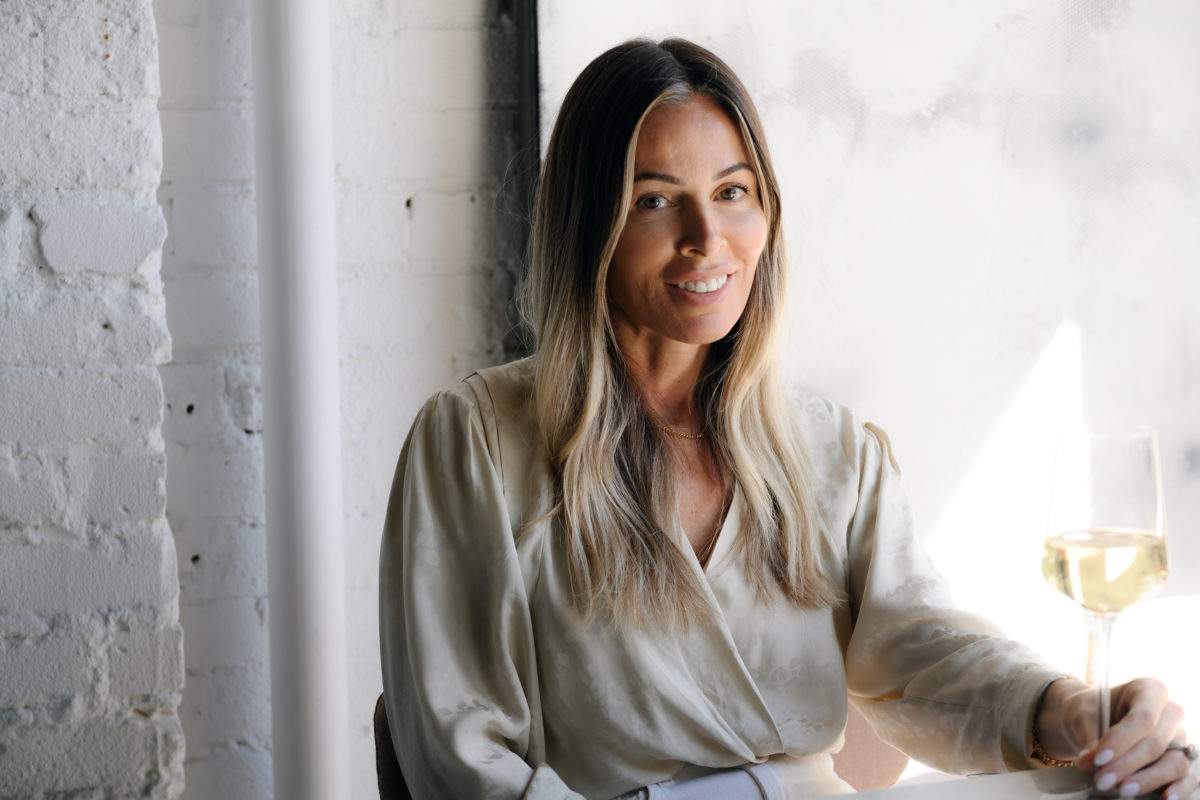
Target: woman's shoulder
x=833, y=431
x=489, y=391
x=504, y=389
x=494, y=400
x=820, y=418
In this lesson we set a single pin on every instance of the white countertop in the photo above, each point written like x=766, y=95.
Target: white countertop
x=1041, y=784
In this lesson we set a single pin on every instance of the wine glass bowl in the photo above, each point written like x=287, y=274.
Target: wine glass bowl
x=1105, y=569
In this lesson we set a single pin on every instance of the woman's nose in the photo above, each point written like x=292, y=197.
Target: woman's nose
x=702, y=232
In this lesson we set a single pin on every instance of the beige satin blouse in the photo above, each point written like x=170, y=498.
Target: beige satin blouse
x=495, y=689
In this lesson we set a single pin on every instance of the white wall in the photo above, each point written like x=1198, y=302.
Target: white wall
x=993, y=212
x=90, y=643
x=214, y=419
x=425, y=115
x=425, y=101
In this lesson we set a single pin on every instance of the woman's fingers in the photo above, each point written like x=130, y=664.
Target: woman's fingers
x=1132, y=756
x=1181, y=789
x=1172, y=768
x=1142, y=743
x=1136, y=708
x=1082, y=715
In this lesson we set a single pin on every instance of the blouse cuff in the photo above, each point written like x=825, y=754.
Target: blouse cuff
x=1017, y=739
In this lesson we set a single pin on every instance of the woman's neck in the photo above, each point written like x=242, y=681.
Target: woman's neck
x=665, y=373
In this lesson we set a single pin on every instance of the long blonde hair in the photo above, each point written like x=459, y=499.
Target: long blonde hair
x=614, y=492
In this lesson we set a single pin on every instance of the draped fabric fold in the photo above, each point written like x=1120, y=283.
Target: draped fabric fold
x=496, y=688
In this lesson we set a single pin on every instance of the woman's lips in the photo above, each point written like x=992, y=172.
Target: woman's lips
x=700, y=298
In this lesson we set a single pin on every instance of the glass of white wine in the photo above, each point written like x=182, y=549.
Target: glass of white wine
x=1105, y=541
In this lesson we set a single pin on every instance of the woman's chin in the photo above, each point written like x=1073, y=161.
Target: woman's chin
x=701, y=334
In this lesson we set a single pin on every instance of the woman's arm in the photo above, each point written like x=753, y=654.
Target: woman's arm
x=948, y=688
x=459, y=668
x=943, y=685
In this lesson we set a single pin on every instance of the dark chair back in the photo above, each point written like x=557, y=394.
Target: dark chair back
x=387, y=768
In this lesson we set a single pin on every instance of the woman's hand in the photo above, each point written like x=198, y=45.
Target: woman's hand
x=1132, y=757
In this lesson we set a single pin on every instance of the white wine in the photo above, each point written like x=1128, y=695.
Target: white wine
x=1105, y=569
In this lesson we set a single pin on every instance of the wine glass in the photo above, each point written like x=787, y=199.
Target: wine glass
x=1105, y=542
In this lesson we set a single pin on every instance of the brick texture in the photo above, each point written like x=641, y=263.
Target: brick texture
x=424, y=119
x=91, y=649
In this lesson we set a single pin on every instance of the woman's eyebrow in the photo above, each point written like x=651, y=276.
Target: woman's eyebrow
x=662, y=176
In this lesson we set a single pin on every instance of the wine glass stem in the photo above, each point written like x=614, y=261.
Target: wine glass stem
x=1102, y=625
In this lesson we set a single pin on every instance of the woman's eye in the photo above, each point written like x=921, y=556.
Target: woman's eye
x=646, y=201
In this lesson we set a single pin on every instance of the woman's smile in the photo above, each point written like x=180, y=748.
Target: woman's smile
x=701, y=292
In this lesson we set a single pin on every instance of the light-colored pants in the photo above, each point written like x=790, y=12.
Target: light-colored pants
x=779, y=778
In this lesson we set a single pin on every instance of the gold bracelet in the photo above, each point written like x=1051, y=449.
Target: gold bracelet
x=1039, y=752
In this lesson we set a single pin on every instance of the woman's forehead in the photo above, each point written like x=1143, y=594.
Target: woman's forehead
x=695, y=132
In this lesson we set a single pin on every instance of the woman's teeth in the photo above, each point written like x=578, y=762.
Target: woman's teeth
x=703, y=287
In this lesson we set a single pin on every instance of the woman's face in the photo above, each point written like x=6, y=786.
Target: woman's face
x=686, y=257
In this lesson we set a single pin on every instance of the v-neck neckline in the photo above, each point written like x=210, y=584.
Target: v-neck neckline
x=757, y=729
x=728, y=530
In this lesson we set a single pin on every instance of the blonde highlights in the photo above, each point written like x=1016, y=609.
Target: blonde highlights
x=614, y=491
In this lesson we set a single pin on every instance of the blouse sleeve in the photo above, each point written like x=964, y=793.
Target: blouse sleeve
x=940, y=684
x=455, y=634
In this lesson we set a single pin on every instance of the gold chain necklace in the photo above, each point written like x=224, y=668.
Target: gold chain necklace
x=680, y=434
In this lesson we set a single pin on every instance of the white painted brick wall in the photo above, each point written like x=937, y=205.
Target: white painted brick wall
x=426, y=106
x=425, y=113
x=213, y=412
x=91, y=649
x=98, y=233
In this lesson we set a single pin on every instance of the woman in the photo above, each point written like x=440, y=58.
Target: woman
x=630, y=561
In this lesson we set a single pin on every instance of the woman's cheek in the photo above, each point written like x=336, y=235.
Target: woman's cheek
x=754, y=231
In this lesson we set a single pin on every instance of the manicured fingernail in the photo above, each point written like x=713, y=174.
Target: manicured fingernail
x=1106, y=781
x=1102, y=758
x=1130, y=789
x=1172, y=796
